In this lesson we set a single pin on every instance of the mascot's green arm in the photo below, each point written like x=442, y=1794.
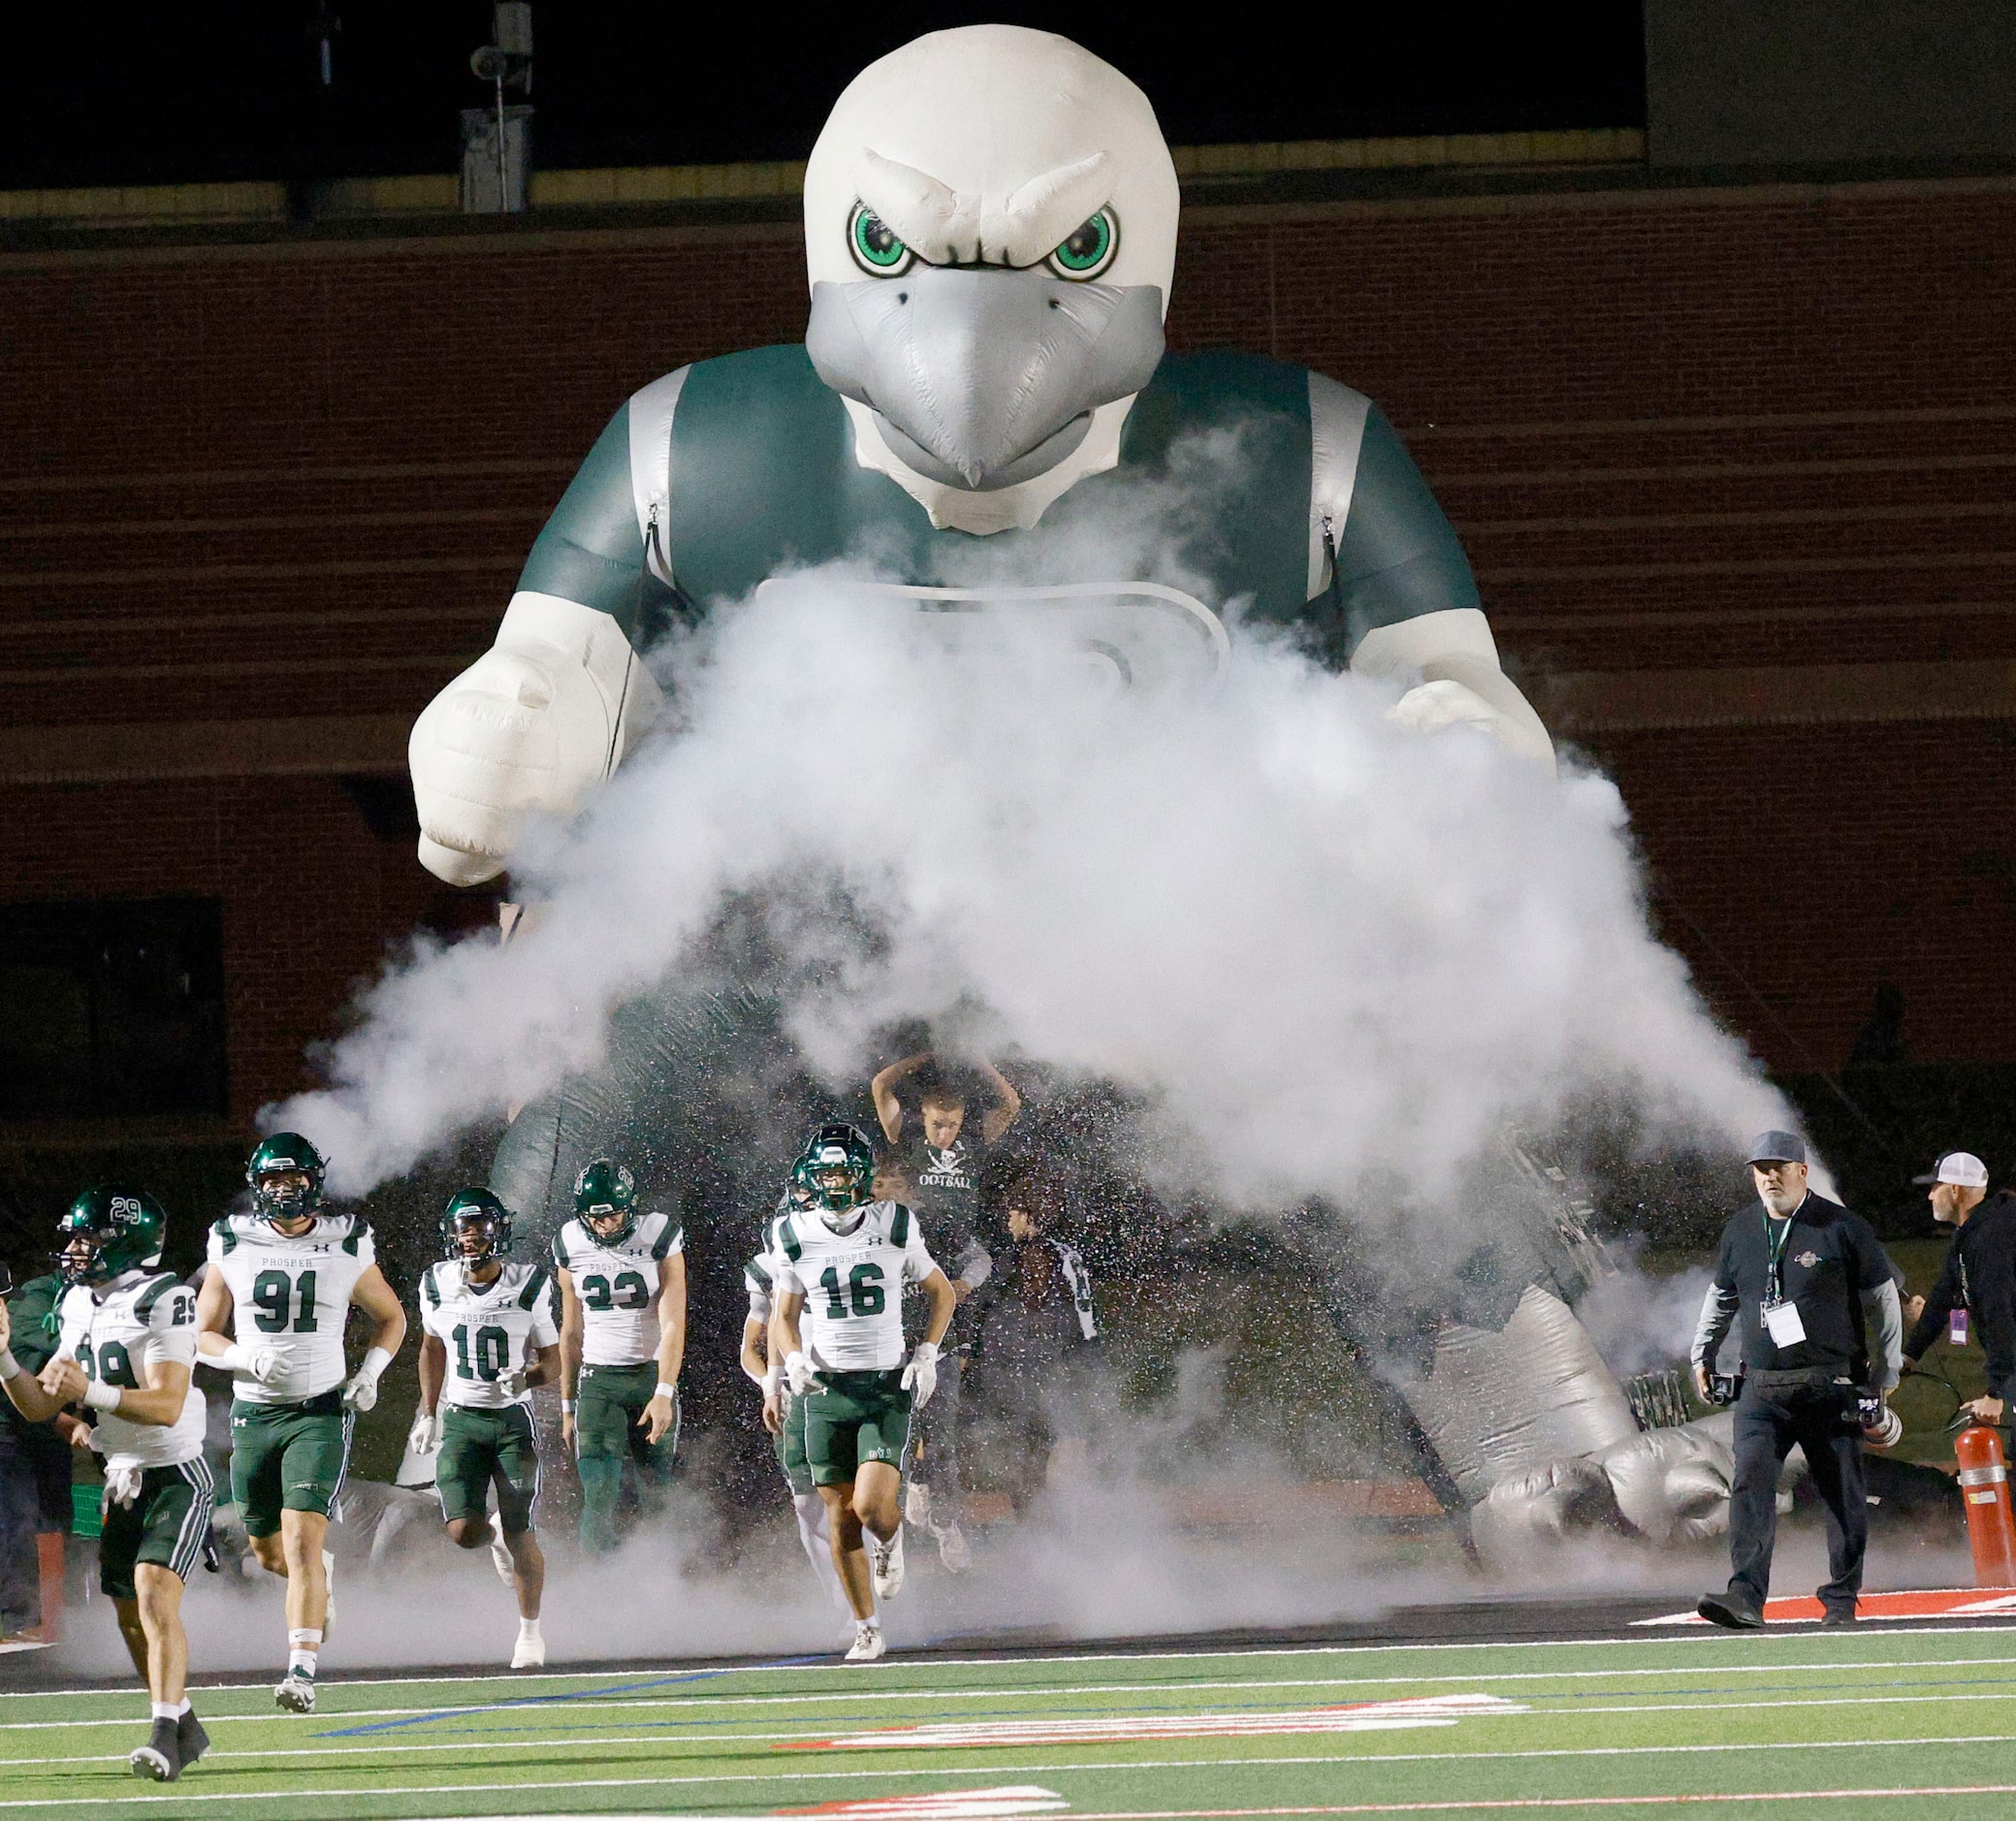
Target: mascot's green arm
x=1398, y=557
x=591, y=551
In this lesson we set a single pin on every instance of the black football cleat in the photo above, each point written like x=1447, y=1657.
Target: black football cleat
x=160, y=1759
x=191, y=1737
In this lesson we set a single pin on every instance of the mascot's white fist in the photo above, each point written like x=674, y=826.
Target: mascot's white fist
x=533, y=724
x=1452, y=662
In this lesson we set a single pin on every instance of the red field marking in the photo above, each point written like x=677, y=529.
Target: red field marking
x=1359, y=1716
x=1920, y=1603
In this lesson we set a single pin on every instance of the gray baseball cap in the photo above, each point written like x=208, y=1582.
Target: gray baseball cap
x=1776, y=1148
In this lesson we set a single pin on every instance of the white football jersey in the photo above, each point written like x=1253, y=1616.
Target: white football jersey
x=618, y=1285
x=853, y=1284
x=115, y=1333
x=488, y=1329
x=295, y=1296
x=759, y=1279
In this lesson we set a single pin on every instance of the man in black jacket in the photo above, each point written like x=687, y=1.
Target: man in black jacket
x=1820, y=1321
x=1978, y=1276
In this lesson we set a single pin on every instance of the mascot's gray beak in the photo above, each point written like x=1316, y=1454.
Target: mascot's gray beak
x=981, y=379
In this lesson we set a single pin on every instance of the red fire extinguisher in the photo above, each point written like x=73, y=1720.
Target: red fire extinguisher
x=1991, y=1525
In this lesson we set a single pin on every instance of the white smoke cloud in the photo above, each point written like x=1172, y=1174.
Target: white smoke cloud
x=1324, y=947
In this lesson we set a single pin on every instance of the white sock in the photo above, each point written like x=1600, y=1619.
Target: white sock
x=813, y=1533
x=302, y=1647
x=870, y=1624
x=168, y=1710
x=181, y=1707
x=528, y=1629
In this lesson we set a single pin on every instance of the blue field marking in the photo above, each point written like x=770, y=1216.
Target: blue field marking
x=519, y=1700
x=601, y=1692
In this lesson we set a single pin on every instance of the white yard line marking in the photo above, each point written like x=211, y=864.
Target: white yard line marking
x=704, y=1744
x=1010, y=1691
x=646, y=1666
x=1334, y=1759
x=1553, y=1801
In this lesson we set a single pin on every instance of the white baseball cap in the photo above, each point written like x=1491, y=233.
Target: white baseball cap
x=1962, y=1168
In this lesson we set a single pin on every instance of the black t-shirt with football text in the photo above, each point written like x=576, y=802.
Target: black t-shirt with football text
x=945, y=1188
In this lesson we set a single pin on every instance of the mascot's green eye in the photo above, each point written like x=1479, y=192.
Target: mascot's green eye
x=875, y=247
x=1089, y=250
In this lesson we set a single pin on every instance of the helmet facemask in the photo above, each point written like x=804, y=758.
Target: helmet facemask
x=477, y=1241
x=288, y=1196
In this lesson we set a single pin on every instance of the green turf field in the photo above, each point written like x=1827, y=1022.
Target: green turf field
x=1881, y=1723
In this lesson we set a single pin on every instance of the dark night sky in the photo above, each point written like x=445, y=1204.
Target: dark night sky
x=111, y=92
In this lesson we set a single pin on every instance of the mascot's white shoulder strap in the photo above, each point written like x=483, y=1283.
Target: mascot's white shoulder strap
x=1336, y=433
x=651, y=466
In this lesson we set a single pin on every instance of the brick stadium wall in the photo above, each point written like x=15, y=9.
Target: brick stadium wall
x=1687, y=435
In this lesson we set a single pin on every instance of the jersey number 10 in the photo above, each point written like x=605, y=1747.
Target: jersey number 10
x=864, y=1288
x=492, y=1354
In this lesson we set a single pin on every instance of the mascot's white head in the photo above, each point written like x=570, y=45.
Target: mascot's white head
x=990, y=228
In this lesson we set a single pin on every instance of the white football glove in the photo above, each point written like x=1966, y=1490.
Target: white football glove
x=360, y=1391
x=259, y=1360
x=425, y=1436
x=529, y=728
x=920, y=1376
x=121, y=1487
x=512, y=1383
x=798, y=1373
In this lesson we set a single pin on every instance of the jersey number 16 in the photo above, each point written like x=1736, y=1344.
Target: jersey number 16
x=863, y=1287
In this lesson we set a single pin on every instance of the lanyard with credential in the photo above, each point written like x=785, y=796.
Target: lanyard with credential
x=1774, y=1253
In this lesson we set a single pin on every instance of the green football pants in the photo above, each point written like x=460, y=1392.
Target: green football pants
x=606, y=1435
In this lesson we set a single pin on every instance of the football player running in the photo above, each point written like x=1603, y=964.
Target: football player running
x=127, y=1350
x=623, y=1339
x=490, y=1334
x=840, y=1268
x=784, y=1416
x=283, y=1277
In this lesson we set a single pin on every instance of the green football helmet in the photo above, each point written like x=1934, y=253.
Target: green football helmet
x=834, y=1169
x=605, y=1190
x=285, y=1173
x=475, y=1215
x=108, y=1230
